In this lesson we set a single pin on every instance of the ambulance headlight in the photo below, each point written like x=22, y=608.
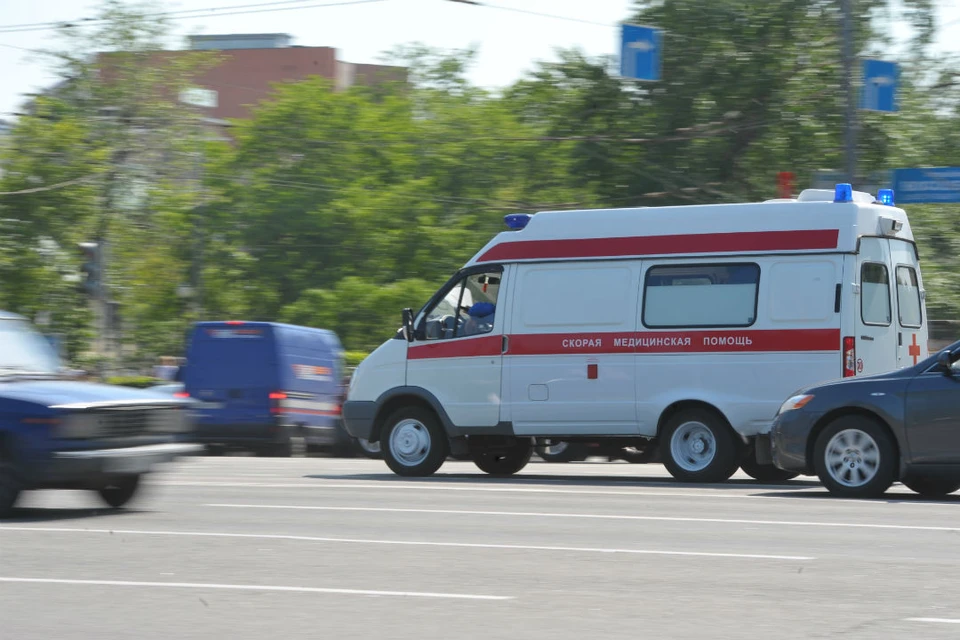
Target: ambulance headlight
x=796, y=402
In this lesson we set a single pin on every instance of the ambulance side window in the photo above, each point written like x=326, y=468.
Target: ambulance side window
x=908, y=298
x=875, y=294
x=701, y=295
x=469, y=308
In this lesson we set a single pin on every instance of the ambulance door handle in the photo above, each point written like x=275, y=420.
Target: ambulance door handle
x=505, y=346
x=899, y=339
x=870, y=338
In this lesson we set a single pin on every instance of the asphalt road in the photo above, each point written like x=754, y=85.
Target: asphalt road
x=278, y=549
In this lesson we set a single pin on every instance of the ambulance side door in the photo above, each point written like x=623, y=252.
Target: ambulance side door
x=567, y=367
x=457, y=355
x=910, y=312
x=875, y=325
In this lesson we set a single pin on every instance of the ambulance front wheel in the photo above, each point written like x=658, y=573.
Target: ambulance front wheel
x=698, y=446
x=413, y=443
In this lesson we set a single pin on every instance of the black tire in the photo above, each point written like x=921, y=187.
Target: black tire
x=120, y=490
x=504, y=461
x=765, y=472
x=932, y=486
x=413, y=443
x=571, y=452
x=213, y=450
x=719, y=457
x=367, y=449
x=10, y=488
x=867, y=440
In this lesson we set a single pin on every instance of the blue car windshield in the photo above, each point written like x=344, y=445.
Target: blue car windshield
x=23, y=350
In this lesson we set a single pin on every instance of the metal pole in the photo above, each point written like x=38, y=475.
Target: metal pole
x=850, y=133
x=197, y=223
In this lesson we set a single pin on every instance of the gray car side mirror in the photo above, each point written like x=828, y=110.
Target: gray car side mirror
x=945, y=362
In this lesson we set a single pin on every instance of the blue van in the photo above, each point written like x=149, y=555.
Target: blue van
x=265, y=386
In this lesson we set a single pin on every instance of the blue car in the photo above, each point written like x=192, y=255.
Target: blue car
x=265, y=386
x=57, y=433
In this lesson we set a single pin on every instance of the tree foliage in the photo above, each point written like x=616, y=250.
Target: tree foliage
x=338, y=208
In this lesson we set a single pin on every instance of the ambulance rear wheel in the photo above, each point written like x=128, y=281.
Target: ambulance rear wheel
x=765, y=472
x=503, y=460
x=698, y=446
x=413, y=443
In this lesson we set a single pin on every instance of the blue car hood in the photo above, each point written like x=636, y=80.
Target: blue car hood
x=57, y=392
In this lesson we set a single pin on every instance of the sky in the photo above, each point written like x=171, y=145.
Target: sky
x=510, y=42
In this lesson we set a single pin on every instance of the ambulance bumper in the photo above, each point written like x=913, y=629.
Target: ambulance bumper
x=358, y=418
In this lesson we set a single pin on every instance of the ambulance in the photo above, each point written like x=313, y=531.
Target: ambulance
x=676, y=331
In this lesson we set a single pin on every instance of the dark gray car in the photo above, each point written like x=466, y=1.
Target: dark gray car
x=860, y=435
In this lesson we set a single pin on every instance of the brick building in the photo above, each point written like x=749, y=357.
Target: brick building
x=251, y=63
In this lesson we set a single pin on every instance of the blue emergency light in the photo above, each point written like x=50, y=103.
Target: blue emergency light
x=885, y=196
x=517, y=220
x=843, y=193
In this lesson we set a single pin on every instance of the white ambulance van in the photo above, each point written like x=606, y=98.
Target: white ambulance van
x=677, y=331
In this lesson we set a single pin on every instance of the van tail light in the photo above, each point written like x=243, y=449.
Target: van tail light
x=849, y=357
x=181, y=394
x=276, y=401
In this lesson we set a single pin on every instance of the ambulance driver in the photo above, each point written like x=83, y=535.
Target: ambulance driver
x=480, y=320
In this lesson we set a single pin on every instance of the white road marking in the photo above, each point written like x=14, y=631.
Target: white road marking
x=414, y=543
x=642, y=490
x=255, y=587
x=424, y=486
x=594, y=516
x=940, y=620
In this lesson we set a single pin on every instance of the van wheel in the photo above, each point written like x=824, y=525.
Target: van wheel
x=855, y=457
x=698, y=446
x=10, y=488
x=931, y=486
x=765, y=472
x=413, y=442
x=119, y=491
x=504, y=460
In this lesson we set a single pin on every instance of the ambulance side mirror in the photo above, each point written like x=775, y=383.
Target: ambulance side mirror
x=408, y=324
x=943, y=359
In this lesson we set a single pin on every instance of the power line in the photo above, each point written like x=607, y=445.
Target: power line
x=533, y=13
x=51, y=187
x=188, y=14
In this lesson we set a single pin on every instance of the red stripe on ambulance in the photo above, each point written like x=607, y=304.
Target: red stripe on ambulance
x=542, y=344
x=462, y=348
x=774, y=340
x=745, y=242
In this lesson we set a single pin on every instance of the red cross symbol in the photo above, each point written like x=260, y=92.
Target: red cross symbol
x=914, y=349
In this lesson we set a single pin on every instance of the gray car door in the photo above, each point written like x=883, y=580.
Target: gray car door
x=933, y=417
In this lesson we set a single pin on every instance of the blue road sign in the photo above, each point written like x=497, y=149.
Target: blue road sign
x=880, y=80
x=640, y=52
x=916, y=186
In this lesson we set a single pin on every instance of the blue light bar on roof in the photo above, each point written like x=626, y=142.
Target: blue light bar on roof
x=517, y=220
x=885, y=196
x=843, y=193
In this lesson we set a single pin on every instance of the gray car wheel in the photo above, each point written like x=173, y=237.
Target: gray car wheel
x=855, y=457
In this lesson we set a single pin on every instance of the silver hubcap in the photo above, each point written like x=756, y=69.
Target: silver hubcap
x=852, y=458
x=410, y=442
x=693, y=446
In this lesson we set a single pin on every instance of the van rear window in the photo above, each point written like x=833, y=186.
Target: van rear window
x=218, y=360
x=908, y=298
x=875, y=294
x=702, y=295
